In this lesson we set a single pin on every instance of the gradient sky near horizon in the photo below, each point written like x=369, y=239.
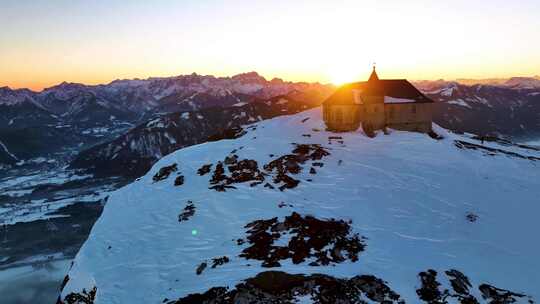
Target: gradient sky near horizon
x=43, y=43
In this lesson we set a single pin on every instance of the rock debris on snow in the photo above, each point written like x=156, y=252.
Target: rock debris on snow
x=164, y=172
x=323, y=242
x=204, y=169
x=281, y=287
x=188, y=212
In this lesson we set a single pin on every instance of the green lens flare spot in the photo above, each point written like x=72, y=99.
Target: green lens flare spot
x=194, y=232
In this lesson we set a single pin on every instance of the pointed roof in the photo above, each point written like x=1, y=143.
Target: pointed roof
x=396, y=88
x=373, y=77
x=374, y=86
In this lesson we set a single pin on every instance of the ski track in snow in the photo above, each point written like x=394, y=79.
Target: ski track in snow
x=405, y=192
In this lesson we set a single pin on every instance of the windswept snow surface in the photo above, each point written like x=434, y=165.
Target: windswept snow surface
x=533, y=143
x=408, y=194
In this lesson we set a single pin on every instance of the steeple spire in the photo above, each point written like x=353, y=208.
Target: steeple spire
x=373, y=76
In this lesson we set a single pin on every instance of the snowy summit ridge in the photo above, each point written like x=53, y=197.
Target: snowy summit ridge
x=289, y=212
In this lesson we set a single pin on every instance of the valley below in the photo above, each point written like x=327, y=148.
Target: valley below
x=46, y=214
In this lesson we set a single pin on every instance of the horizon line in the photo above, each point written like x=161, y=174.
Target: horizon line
x=268, y=79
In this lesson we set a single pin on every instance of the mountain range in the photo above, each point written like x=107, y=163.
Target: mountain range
x=152, y=94
x=486, y=109
x=513, y=82
x=83, y=122
x=71, y=117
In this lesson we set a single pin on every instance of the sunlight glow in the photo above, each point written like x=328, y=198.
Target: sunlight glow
x=344, y=75
x=316, y=40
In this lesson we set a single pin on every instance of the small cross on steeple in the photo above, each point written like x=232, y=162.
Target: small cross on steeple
x=373, y=76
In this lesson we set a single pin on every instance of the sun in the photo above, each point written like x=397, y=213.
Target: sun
x=343, y=75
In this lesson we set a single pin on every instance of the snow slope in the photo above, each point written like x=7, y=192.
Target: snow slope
x=420, y=203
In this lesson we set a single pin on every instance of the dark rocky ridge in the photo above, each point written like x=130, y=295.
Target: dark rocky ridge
x=432, y=291
x=271, y=287
x=5, y=156
x=133, y=153
x=280, y=287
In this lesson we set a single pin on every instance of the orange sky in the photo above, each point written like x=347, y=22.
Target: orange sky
x=46, y=42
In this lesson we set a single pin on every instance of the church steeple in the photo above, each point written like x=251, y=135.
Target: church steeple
x=373, y=76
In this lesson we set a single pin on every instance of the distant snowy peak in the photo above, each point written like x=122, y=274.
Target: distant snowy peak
x=67, y=86
x=513, y=82
x=245, y=83
x=486, y=109
x=487, y=95
x=123, y=83
x=432, y=85
x=250, y=77
x=9, y=96
x=523, y=82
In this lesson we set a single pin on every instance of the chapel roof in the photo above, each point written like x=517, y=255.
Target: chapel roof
x=396, y=88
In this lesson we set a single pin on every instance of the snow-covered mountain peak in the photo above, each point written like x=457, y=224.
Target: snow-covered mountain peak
x=250, y=77
x=64, y=86
x=65, y=91
x=389, y=217
x=523, y=82
x=10, y=96
x=128, y=82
